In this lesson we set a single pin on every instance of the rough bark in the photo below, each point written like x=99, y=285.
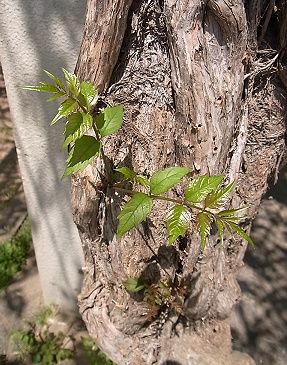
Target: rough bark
x=199, y=90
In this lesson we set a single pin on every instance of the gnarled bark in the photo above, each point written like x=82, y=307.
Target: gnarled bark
x=197, y=92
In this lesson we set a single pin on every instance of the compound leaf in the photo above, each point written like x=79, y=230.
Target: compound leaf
x=163, y=180
x=113, y=120
x=201, y=186
x=203, y=222
x=81, y=155
x=134, y=285
x=134, y=212
x=177, y=222
x=127, y=173
x=68, y=107
x=78, y=124
x=219, y=197
x=72, y=82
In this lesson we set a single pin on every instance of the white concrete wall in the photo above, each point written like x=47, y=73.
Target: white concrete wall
x=37, y=35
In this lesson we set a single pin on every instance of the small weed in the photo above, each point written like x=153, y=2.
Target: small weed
x=39, y=344
x=13, y=254
x=93, y=354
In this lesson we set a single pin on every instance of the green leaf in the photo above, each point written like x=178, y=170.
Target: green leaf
x=81, y=155
x=113, y=120
x=163, y=180
x=177, y=222
x=240, y=231
x=203, y=222
x=57, y=81
x=68, y=107
x=133, y=213
x=201, y=186
x=72, y=82
x=57, y=95
x=45, y=87
x=126, y=172
x=134, y=285
x=220, y=228
x=89, y=93
x=219, y=197
x=231, y=213
x=78, y=124
x=142, y=180
x=100, y=120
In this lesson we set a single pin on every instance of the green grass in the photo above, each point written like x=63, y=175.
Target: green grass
x=13, y=254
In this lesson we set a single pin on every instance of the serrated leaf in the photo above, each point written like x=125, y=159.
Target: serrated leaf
x=201, y=186
x=134, y=212
x=45, y=87
x=231, y=213
x=81, y=155
x=68, y=107
x=142, y=180
x=177, y=222
x=220, y=229
x=78, y=124
x=127, y=173
x=219, y=197
x=163, y=180
x=113, y=120
x=89, y=93
x=57, y=95
x=240, y=231
x=72, y=82
x=203, y=222
x=55, y=79
x=134, y=285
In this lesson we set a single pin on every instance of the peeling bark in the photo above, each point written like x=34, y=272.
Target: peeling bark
x=198, y=91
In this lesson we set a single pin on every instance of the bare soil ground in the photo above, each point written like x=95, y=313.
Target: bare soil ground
x=259, y=321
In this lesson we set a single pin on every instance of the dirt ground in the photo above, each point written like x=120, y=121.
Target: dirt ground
x=259, y=322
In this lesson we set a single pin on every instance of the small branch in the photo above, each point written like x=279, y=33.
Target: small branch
x=165, y=198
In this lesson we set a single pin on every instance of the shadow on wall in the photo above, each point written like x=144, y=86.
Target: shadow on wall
x=50, y=51
x=260, y=319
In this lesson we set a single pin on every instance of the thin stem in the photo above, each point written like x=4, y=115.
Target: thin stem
x=165, y=198
x=96, y=132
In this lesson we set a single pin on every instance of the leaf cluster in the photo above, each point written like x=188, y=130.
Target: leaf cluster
x=79, y=99
x=46, y=348
x=203, y=202
x=38, y=344
x=205, y=197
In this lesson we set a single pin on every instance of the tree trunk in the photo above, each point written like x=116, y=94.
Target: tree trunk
x=202, y=83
